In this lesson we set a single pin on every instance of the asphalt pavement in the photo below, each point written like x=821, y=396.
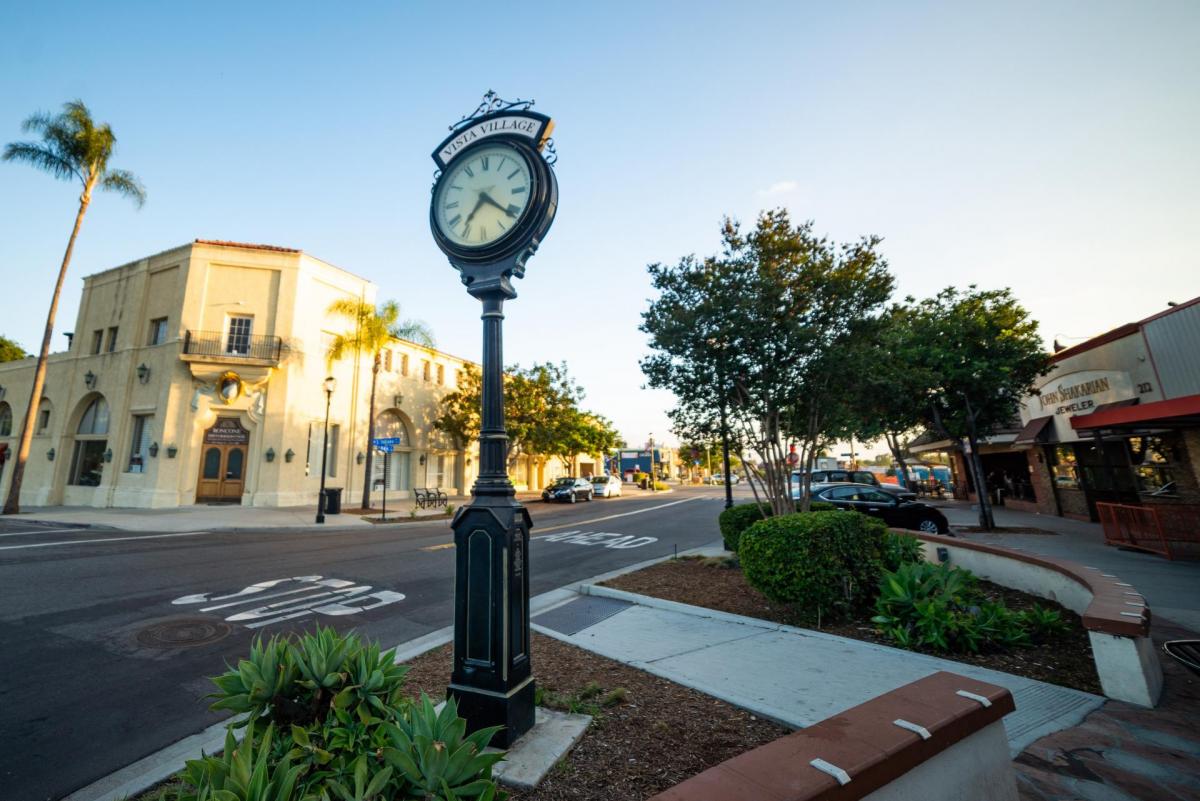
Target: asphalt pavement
x=109, y=637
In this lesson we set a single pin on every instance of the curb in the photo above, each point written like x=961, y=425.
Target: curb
x=162, y=764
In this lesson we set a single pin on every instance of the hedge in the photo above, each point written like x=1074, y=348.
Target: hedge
x=736, y=519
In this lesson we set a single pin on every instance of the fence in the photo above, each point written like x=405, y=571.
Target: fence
x=1171, y=531
x=221, y=346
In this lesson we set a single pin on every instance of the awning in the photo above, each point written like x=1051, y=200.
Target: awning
x=1034, y=430
x=1174, y=413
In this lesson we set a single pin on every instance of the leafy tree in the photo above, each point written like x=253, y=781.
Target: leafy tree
x=374, y=329
x=10, y=351
x=541, y=414
x=72, y=146
x=981, y=354
x=754, y=334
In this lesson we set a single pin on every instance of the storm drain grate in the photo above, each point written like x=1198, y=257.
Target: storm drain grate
x=577, y=615
x=183, y=633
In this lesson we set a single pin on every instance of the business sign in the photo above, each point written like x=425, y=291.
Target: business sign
x=525, y=124
x=227, y=431
x=1083, y=391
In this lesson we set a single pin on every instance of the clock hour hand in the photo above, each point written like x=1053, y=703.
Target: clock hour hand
x=478, y=204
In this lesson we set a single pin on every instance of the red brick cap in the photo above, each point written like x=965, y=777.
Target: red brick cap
x=1109, y=612
x=863, y=741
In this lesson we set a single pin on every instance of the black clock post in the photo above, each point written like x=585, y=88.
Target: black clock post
x=492, y=679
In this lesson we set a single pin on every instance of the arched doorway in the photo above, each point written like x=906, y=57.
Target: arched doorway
x=223, y=462
x=394, y=471
x=91, y=444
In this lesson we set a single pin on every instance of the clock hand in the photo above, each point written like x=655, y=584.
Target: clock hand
x=485, y=197
x=478, y=203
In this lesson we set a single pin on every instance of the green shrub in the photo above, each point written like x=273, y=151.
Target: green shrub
x=825, y=564
x=821, y=506
x=901, y=549
x=736, y=519
x=661, y=486
x=342, y=722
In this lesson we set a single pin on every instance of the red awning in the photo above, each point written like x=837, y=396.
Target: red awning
x=1032, y=431
x=1177, y=412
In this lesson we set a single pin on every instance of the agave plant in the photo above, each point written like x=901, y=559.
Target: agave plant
x=432, y=751
x=244, y=772
x=253, y=687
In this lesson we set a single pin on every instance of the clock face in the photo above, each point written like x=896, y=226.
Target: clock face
x=483, y=195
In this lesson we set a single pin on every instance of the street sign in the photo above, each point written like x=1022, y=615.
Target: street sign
x=793, y=458
x=383, y=448
x=378, y=441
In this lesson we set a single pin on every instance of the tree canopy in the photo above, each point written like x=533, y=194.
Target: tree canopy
x=10, y=351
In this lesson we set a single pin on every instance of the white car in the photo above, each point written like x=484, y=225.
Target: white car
x=719, y=478
x=606, y=486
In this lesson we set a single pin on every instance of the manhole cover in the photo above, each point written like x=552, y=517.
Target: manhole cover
x=183, y=633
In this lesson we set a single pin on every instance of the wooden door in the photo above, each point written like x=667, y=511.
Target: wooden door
x=223, y=462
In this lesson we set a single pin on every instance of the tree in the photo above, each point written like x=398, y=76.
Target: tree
x=10, y=351
x=754, y=336
x=981, y=354
x=72, y=147
x=374, y=329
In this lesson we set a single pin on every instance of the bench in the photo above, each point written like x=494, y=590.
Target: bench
x=430, y=497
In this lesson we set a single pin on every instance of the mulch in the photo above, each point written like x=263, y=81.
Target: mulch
x=654, y=734
x=716, y=584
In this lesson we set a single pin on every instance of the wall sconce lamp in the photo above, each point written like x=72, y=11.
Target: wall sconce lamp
x=154, y=450
x=143, y=373
x=289, y=456
x=360, y=458
x=108, y=455
x=89, y=379
x=171, y=451
x=50, y=455
x=396, y=399
x=422, y=460
x=270, y=454
x=2, y=392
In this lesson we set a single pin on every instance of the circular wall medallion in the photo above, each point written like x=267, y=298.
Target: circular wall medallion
x=229, y=387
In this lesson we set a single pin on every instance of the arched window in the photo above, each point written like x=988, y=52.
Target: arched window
x=5, y=420
x=389, y=424
x=95, y=418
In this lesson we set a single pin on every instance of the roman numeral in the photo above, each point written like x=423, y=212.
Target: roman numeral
x=514, y=172
x=456, y=186
x=501, y=164
x=485, y=162
x=513, y=210
x=452, y=205
x=518, y=190
x=482, y=232
x=502, y=228
x=470, y=173
x=466, y=231
x=454, y=222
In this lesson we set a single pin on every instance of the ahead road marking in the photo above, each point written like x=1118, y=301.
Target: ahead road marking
x=326, y=596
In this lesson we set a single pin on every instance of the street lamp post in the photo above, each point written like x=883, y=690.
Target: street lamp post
x=330, y=386
x=653, y=475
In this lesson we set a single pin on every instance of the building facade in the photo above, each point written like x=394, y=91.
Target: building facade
x=196, y=375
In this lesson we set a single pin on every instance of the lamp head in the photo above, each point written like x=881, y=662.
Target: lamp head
x=330, y=384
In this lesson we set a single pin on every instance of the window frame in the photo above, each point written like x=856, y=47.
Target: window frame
x=158, y=331
x=231, y=321
x=111, y=340
x=139, y=443
x=97, y=341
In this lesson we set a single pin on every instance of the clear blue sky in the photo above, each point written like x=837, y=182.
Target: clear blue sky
x=1050, y=147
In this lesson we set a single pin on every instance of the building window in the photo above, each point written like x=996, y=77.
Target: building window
x=1065, y=469
x=237, y=342
x=158, y=331
x=331, y=453
x=139, y=444
x=91, y=442
x=5, y=420
x=441, y=471
x=404, y=364
x=441, y=375
x=387, y=360
x=97, y=340
x=1151, y=458
x=43, y=418
x=425, y=369
x=112, y=340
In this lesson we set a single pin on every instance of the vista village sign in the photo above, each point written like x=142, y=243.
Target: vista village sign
x=494, y=199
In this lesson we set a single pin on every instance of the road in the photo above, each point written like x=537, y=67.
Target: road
x=108, y=636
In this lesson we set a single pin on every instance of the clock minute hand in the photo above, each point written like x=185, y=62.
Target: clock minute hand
x=486, y=198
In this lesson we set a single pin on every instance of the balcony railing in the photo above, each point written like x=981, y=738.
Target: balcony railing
x=220, y=346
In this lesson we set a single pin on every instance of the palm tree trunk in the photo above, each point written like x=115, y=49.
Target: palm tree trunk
x=366, y=496
x=12, y=506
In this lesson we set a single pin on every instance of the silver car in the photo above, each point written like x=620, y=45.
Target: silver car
x=606, y=486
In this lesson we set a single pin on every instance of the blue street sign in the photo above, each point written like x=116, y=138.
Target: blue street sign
x=381, y=441
x=383, y=448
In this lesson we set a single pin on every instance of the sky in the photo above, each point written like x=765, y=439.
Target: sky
x=1046, y=147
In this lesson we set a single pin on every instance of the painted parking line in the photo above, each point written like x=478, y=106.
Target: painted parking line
x=104, y=539
x=580, y=522
x=43, y=531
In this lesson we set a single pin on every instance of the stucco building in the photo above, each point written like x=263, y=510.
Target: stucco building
x=196, y=375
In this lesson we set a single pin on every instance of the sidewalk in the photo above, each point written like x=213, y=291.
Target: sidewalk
x=1171, y=587
x=794, y=676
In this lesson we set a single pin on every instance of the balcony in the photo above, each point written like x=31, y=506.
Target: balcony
x=219, y=347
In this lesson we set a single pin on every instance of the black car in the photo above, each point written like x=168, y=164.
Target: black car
x=873, y=501
x=569, y=489
x=850, y=477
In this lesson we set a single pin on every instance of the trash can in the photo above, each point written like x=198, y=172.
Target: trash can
x=333, y=500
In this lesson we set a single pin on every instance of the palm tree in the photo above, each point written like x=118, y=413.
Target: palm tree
x=374, y=328
x=72, y=146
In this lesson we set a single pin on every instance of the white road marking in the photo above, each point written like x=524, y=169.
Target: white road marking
x=325, y=596
x=613, y=517
x=44, y=531
x=604, y=539
x=106, y=539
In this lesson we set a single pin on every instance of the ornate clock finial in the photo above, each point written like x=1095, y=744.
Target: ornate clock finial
x=491, y=104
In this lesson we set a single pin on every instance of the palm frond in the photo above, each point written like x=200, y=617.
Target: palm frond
x=42, y=157
x=339, y=347
x=414, y=331
x=125, y=183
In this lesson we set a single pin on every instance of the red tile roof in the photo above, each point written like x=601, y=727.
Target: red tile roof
x=247, y=245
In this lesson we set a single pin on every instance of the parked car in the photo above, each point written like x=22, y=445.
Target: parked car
x=871, y=500
x=719, y=478
x=606, y=486
x=569, y=489
x=852, y=477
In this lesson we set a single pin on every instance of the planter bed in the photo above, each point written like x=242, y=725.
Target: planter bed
x=716, y=585
x=652, y=735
